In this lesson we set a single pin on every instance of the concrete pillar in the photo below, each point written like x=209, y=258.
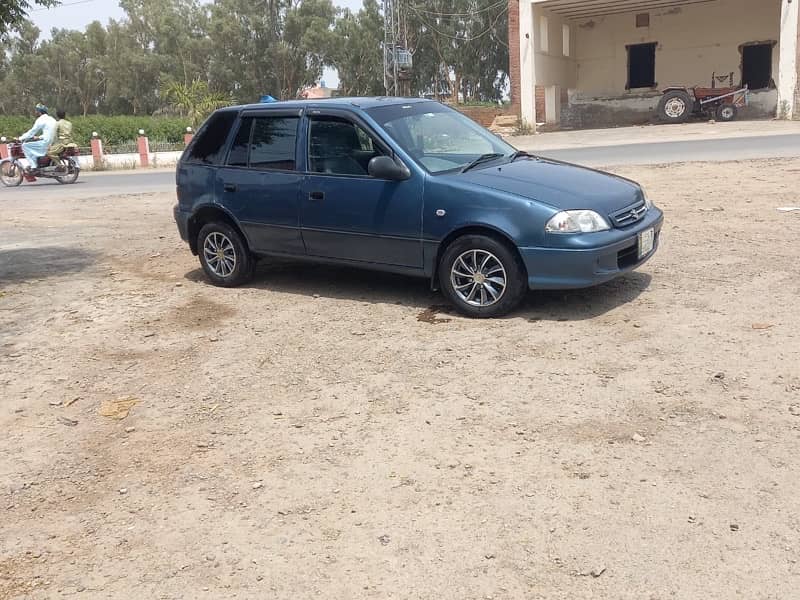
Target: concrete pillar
x=144, y=149
x=787, y=59
x=513, y=54
x=527, y=78
x=97, y=151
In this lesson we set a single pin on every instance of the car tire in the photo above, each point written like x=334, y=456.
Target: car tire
x=224, y=255
x=482, y=276
x=675, y=106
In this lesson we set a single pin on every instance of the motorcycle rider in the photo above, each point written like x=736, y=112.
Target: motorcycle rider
x=34, y=145
x=63, y=136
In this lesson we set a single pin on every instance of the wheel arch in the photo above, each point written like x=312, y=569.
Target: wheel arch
x=209, y=213
x=487, y=230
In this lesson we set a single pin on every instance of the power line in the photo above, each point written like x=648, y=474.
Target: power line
x=462, y=38
x=473, y=13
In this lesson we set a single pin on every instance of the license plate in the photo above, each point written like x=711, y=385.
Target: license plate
x=646, y=239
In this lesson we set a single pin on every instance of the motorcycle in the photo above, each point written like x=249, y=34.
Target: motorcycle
x=65, y=170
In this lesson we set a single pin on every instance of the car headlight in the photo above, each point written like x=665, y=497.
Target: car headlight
x=647, y=202
x=576, y=221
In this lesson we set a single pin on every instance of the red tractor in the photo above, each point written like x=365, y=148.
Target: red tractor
x=721, y=103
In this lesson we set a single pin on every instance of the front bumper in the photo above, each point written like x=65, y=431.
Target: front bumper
x=567, y=268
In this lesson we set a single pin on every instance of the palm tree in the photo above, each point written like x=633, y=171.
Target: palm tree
x=195, y=100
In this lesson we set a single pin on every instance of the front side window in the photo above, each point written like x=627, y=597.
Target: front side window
x=439, y=138
x=208, y=147
x=265, y=143
x=339, y=147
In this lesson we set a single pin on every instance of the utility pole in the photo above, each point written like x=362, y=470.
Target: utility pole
x=396, y=56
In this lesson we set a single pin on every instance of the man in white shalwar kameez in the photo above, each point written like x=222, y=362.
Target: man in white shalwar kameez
x=42, y=135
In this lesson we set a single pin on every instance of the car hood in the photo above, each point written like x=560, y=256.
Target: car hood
x=561, y=185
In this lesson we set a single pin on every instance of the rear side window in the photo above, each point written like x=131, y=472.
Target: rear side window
x=265, y=143
x=237, y=157
x=210, y=143
x=274, y=143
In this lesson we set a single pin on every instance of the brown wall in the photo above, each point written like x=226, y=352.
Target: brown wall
x=485, y=114
x=539, y=99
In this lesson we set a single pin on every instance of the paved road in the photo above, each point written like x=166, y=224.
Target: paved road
x=774, y=146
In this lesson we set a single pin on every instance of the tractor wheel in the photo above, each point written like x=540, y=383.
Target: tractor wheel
x=675, y=106
x=726, y=112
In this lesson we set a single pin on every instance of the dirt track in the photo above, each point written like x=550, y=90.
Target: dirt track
x=322, y=433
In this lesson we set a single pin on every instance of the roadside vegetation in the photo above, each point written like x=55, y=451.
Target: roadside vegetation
x=183, y=58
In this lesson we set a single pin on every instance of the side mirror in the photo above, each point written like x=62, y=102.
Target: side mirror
x=383, y=167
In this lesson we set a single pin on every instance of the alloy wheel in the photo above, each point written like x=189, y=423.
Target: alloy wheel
x=219, y=254
x=478, y=278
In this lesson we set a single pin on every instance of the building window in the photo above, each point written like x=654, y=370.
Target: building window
x=543, y=31
x=565, y=38
x=757, y=66
x=641, y=66
x=643, y=20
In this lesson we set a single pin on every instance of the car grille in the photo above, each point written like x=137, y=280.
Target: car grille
x=629, y=215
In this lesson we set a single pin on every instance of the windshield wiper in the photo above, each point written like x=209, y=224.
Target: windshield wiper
x=481, y=159
x=521, y=154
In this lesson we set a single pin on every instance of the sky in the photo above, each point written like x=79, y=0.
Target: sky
x=77, y=14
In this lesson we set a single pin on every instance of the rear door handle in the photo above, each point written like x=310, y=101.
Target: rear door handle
x=230, y=187
x=316, y=196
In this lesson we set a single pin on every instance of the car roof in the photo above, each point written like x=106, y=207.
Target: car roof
x=342, y=103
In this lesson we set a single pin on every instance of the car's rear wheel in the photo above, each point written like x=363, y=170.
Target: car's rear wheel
x=224, y=255
x=482, y=276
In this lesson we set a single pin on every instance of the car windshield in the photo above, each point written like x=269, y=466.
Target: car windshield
x=437, y=137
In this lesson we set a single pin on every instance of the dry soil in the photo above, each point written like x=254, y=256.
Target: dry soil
x=332, y=433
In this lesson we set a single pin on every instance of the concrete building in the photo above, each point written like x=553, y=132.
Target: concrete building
x=590, y=63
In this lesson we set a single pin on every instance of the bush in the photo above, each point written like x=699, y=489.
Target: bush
x=112, y=130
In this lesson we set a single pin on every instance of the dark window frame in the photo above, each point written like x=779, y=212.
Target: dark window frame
x=654, y=83
x=770, y=79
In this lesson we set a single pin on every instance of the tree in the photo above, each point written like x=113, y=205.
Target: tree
x=14, y=12
x=181, y=55
x=463, y=41
x=357, y=51
x=195, y=100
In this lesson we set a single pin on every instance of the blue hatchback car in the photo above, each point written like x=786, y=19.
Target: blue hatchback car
x=408, y=186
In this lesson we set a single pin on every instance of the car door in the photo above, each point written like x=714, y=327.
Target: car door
x=347, y=214
x=260, y=182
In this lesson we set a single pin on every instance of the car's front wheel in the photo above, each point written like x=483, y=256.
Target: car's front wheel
x=224, y=255
x=482, y=276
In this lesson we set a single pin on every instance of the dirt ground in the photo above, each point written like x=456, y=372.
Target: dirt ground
x=324, y=433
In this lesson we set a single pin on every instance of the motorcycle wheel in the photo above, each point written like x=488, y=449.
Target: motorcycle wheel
x=10, y=174
x=71, y=170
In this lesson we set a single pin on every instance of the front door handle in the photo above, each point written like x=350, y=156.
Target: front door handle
x=316, y=196
x=230, y=187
